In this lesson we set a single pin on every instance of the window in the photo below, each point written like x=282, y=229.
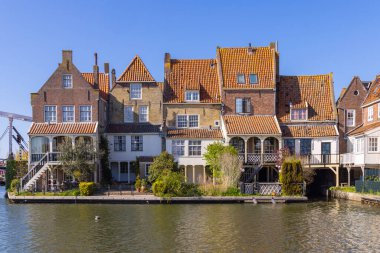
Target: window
x=350, y=118
x=305, y=146
x=356, y=92
x=291, y=145
x=184, y=121
x=253, y=79
x=67, y=81
x=119, y=143
x=136, y=91
x=298, y=114
x=178, y=147
x=240, y=79
x=128, y=114
x=68, y=113
x=85, y=112
x=372, y=144
x=123, y=168
x=143, y=113
x=243, y=105
x=137, y=143
x=370, y=113
x=50, y=113
x=192, y=96
x=238, y=144
x=147, y=165
x=359, y=143
x=195, y=148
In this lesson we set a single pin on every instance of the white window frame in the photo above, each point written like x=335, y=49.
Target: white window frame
x=55, y=117
x=373, y=144
x=142, y=120
x=140, y=143
x=370, y=113
x=126, y=120
x=188, y=116
x=178, y=145
x=291, y=114
x=191, y=144
x=132, y=86
x=80, y=113
x=65, y=81
x=121, y=146
x=353, y=117
x=192, y=96
x=245, y=104
x=63, y=113
x=359, y=144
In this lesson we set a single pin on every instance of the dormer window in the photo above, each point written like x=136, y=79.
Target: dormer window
x=253, y=79
x=298, y=114
x=192, y=96
x=240, y=79
x=370, y=113
x=67, y=81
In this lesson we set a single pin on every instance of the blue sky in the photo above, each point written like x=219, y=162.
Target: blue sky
x=314, y=37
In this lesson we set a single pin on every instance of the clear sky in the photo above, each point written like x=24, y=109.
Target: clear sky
x=315, y=37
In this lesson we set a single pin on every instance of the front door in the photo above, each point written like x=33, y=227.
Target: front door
x=326, y=152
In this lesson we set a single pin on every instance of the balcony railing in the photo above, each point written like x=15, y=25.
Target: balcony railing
x=319, y=159
x=255, y=158
x=352, y=159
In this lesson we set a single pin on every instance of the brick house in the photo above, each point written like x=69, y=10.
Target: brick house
x=191, y=112
x=363, y=149
x=70, y=106
x=134, y=130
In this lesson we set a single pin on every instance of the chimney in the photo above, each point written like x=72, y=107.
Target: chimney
x=113, y=73
x=250, y=49
x=167, y=63
x=106, y=68
x=96, y=72
x=67, y=58
x=274, y=45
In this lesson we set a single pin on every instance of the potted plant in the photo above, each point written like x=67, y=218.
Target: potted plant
x=143, y=185
x=138, y=183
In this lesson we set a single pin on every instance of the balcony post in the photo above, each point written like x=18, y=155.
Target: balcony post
x=337, y=176
x=349, y=176
x=245, y=150
x=262, y=149
x=50, y=144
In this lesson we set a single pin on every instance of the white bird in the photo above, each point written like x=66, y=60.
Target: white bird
x=273, y=201
x=97, y=217
x=254, y=201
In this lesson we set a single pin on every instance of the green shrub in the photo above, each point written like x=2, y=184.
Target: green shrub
x=168, y=184
x=190, y=190
x=138, y=183
x=14, y=185
x=232, y=191
x=86, y=188
x=345, y=188
x=291, y=177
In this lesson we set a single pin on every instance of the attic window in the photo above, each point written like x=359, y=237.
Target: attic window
x=298, y=114
x=253, y=79
x=67, y=81
x=192, y=96
x=240, y=79
x=356, y=92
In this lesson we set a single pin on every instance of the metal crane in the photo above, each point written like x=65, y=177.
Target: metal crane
x=10, y=128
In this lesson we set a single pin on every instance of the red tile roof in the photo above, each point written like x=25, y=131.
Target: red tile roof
x=104, y=86
x=260, y=61
x=192, y=75
x=136, y=72
x=251, y=125
x=194, y=134
x=63, y=128
x=362, y=129
x=374, y=92
x=317, y=91
x=133, y=128
x=308, y=130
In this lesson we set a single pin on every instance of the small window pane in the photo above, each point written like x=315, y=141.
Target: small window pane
x=128, y=114
x=50, y=113
x=137, y=143
x=68, y=113
x=85, y=113
x=193, y=120
x=143, y=113
x=136, y=91
x=178, y=147
x=192, y=95
x=182, y=121
x=195, y=148
x=298, y=114
x=372, y=144
x=370, y=113
x=119, y=143
x=241, y=79
x=351, y=118
x=252, y=78
x=67, y=81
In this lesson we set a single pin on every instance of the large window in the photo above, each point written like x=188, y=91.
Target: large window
x=253, y=79
x=195, y=148
x=370, y=113
x=128, y=114
x=136, y=91
x=291, y=145
x=143, y=113
x=243, y=105
x=305, y=146
x=359, y=144
x=192, y=96
x=240, y=79
x=67, y=81
x=350, y=118
x=119, y=143
x=184, y=121
x=372, y=144
x=178, y=147
x=50, y=112
x=298, y=114
x=85, y=113
x=137, y=143
x=68, y=113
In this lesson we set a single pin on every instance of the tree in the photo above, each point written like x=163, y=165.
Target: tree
x=104, y=161
x=214, y=151
x=291, y=177
x=161, y=164
x=230, y=166
x=10, y=173
x=78, y=160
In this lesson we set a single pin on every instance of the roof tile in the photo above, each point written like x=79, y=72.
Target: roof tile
x=136, y=72
x=374, y=92
x=308, y=130
x=194, y=134
x=63, y=128
x=236, y=124
x=103, y=82
x=363, y=128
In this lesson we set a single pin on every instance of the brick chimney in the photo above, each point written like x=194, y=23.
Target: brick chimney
x=113, y=81
x=167, y=63
x=106, y=68
x=96, y=72
x=67, y=58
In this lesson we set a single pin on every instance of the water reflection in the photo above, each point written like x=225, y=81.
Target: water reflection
x=335, y=226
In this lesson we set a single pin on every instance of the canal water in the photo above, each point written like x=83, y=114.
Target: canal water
x=318, y=226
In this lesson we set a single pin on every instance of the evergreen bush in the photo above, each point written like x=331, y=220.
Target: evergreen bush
x=86, y=188
x=291, y=177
